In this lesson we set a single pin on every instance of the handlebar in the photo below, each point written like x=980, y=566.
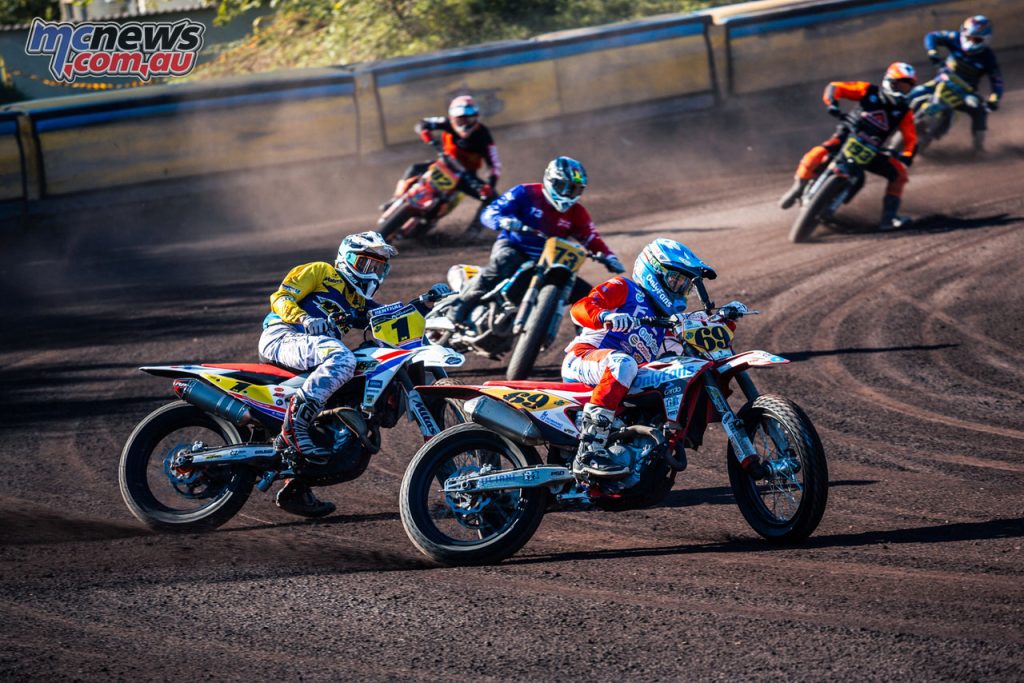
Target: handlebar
x=597, y=256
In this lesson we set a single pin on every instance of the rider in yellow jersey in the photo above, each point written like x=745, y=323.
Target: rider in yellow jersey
x=300, y=334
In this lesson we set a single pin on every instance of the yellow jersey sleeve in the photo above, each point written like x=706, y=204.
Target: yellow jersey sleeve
x=298, y=284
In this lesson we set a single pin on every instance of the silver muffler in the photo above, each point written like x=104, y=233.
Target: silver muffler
x=526, y=478
x=504, y=419
x=262, y=455
x=206, y=398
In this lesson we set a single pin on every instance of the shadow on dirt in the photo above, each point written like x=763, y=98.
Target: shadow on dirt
x=36, y=528
x=943, y=533
x=845, y=226
x=722, y=495
x=797, y=356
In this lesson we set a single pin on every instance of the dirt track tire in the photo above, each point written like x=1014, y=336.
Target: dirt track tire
x=388, y=229
x=810, y=214
x=446, y=411
x=135, y=460
x=803, y=439
x=422, y=476
x=527, y=348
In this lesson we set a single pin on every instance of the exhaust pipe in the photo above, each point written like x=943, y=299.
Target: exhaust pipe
x=207, y=398
x=265, y=456
x=503, y=419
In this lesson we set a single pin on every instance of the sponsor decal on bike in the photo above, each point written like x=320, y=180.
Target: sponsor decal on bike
x=108, y=48
x=384, y=310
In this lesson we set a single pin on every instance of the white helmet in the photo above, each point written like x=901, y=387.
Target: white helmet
x=363, y=262
x=564, y=182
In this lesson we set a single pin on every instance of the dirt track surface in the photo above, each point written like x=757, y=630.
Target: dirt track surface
x=907, y=356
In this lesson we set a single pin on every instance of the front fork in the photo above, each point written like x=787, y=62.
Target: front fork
x=733, y=426
x=417, y=408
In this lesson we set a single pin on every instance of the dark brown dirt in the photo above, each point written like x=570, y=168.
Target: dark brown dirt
x=907, y=350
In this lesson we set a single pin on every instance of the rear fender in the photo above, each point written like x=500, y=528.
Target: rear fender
x=268, y=398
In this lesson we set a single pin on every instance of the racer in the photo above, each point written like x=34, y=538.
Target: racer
x=614, y=342
x=970, y=58
x=466, y=139
x=550, y=207
x=300, y=334
x=880, y=111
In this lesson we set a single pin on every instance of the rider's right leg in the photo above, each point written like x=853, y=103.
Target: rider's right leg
x=505, y=260
x=332, y=365
x=610, y=373
x=808, y=168
x=414, y=171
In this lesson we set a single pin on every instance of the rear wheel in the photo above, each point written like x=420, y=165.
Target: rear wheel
x=527, y=348
x=466, y=528
x=171, y=500
x=812, y=212
x=787, y=506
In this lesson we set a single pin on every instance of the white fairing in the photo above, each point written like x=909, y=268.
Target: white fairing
x=459, y=274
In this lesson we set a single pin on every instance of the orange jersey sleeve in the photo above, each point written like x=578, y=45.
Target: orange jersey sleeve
x=845, y=90
x=909, y=134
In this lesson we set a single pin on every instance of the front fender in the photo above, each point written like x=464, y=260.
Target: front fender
x=557, y=274
x=433, y=356
x=749, y=359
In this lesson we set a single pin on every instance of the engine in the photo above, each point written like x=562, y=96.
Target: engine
x=640, y=448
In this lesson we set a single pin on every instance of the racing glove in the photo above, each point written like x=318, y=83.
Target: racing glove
x=619, y=322
x=906, y=159
x=834, y=110
x=934, y=57
x=486, y=193
x=993, y=102
x=511, y=224
x=614, y=265
x=426, y=136
x=318, y=327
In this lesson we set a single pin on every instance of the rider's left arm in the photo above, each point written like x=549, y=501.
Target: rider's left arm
x=909, y=135
x=583, y=231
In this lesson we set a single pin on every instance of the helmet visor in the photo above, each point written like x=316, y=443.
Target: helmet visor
x=466, y=121
x=564, y=187
x=364, y=264
x=678, y=282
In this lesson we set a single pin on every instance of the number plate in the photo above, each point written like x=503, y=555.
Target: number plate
x=709, y=338
x=858, y=151
x=442, y=178
x=558, y=251
x=399, y=328
x=949, y=96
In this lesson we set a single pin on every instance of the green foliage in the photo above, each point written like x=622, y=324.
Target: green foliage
x=23, y=11
x=316, y=33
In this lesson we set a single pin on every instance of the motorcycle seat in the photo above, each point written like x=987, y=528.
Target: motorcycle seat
x=554, y=386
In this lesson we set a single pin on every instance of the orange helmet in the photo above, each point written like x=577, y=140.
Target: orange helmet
x=464, y=115
x=896, y=73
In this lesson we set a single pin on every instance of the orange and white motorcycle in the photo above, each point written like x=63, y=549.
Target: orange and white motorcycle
x=476, y=493
x=191, y=464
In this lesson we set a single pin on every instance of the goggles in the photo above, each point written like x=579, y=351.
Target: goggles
x=974, y=39
x=466, y=121
x=678, y=282
x=564, y=187
x=364, y=264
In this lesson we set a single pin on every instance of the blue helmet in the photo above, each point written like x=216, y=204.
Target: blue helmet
x=666, y=269
x=975, y=33
x=564, y=182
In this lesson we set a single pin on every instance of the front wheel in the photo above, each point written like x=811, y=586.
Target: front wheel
x=466, y=528
x=167, y=499
x=388, y=227
x=787, y=506
x=813, y=211
x=532, y=337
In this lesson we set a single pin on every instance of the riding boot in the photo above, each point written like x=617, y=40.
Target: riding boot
x=978, y=138
x=297, y=498
x=793, y=193
x=891, y=220
x=298, y=420
x=592, y=457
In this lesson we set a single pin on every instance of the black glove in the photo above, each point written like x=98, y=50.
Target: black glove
x=993, y=102
x=907, y=159
x=934, y=57
x=834, y=110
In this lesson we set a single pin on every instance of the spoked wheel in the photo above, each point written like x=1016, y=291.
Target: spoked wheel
x=447, y=412
x=788, y=505
x=467, y=528
x=170, y=499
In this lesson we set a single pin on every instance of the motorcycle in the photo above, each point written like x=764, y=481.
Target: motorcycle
x=428, y=198
x=522, y=313
x=838, y=184
x=933, y=114
x=476, y=493
x=192, y=464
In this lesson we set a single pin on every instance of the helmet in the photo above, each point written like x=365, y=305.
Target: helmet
x=464, y=115
x=975, y=33
x=564, y=182
x=363, y=261
x=665, y=269
x=897, y=73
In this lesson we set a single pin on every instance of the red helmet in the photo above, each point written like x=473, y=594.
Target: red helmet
x=898, y=72
x=464, y=115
